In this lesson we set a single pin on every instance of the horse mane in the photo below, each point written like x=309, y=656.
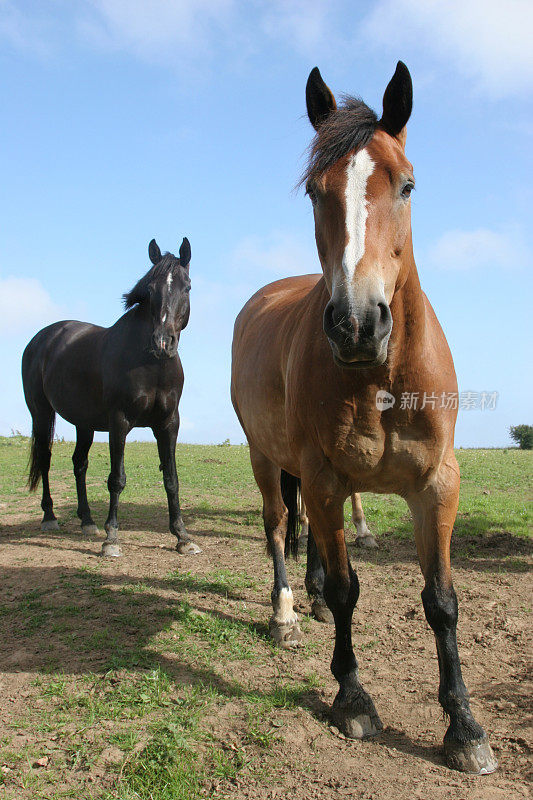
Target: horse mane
x=348, y=128
x=140, y=292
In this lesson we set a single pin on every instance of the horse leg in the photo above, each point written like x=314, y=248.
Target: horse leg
x=466, y=745
x=363, y=536
x=353, y=710
x=314, y=582
x=314, y=576
x=42, y=425
x=80, y=461
x=283, y=625
x=166, y=445
x=118, y=430
x=304, y=527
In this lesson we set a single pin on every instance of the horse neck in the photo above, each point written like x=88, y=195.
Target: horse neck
x=138, y=320
x=408, y=311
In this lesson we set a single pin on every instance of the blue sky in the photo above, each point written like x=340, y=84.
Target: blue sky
x=124, y=120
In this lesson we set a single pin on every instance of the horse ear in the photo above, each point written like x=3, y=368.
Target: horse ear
x=319, y=99
x=397, y=102
x=154, y=252
x=185, y=253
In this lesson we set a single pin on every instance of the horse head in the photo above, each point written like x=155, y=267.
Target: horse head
x=164, y=295
x=360, y=181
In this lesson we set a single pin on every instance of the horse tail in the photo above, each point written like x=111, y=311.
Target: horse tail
x=290, y=491
x=37, y=445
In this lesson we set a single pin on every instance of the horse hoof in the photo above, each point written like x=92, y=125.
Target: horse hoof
x=367, y=541
x=360, y=727
x=111, y=550
x=475, y=757
x=188, y=548
x=49, y=525
x=90, y=529
x=287, y=635
x=321, y=612
x=354, y=713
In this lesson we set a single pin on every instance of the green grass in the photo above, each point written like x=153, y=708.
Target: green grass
x=165, y=769
x=222, y=582
x=217, y=481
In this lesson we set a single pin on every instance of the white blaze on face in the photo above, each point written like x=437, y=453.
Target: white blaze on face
x=358, y=171
x=169, y=286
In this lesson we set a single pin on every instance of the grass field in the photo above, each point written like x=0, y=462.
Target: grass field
x=496, y=485
x=153, y=677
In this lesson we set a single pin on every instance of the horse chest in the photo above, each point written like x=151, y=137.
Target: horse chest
x=352, y=439
x=372, y=454
x=145, y=394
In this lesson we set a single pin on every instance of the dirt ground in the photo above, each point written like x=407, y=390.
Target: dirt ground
x=306, y=757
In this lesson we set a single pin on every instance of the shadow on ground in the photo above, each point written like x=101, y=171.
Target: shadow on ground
x=494, y=550
x=75, y=621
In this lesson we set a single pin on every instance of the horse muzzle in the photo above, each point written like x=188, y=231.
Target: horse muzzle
x=358, y=338
x=164, y=345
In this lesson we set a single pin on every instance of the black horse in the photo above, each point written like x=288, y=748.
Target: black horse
x=114, y=379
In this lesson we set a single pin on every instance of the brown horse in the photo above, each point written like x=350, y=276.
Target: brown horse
x=309, y=402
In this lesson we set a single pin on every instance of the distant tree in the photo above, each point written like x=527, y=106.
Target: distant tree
x=522, y=435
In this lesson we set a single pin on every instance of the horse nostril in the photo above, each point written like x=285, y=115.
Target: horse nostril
x=329, y=322
x=385, y=316
x=340, y=324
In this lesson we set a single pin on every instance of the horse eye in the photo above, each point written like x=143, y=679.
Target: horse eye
x=407, y=189
x=311, y=194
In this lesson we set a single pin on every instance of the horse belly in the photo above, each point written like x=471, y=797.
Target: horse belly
x=82, y=410
x=73, y=386
x=264, y=330
x=258, y=397
x=262, y=415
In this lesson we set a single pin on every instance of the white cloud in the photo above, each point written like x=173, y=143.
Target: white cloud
x=154, y=30
x=302, y=23
x=279, y=254
x=186, y=33
x=24, y=31
x=25, y=305
x=489, y=40
x=158, y=30
x=481, y=248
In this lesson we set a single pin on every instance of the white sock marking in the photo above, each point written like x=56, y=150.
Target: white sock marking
x=361, y=528
x=283, y=607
